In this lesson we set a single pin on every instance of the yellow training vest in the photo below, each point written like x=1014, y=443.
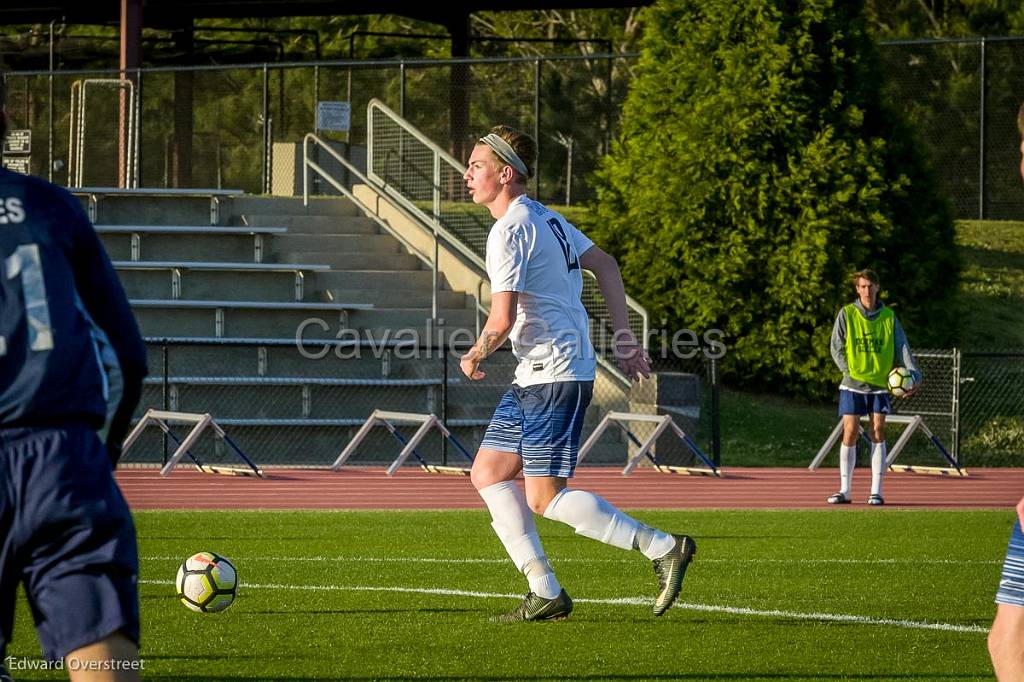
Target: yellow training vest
x=870, y=345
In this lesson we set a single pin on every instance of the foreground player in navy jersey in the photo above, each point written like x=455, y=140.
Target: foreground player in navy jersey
x=534, y=261
x=71, y=364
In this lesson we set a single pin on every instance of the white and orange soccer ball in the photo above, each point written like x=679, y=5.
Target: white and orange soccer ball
x=206, y=582
x=901, y=382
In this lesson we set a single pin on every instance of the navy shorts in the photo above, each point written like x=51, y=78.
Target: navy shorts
x=851, y=402
x=1011, y=582
x=68, y=536
x=541, y=424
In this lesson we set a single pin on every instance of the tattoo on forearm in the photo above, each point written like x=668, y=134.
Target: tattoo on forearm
x=486, y=344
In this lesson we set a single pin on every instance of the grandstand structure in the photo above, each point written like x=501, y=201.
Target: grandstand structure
x=291, y=319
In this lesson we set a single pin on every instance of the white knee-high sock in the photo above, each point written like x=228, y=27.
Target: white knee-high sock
x=512, y=521
x=847, y=463
x=594, y=517
x=878, y=455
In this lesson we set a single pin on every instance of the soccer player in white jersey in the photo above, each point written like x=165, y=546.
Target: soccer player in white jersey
x=534, y=261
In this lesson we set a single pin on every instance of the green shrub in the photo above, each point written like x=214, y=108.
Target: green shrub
x=758, y=165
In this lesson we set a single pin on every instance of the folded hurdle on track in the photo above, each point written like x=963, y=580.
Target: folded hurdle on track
x=426, y=422
x=913, y=423
x=663, y=422
x=200, y=423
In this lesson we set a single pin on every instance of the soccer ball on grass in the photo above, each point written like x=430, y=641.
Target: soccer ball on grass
x=206, y=582
x=901, y=382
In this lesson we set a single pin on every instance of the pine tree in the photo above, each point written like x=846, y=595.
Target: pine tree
x=757, y=166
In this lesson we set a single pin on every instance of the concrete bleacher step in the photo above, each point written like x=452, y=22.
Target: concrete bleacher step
x=293, y=242
x=248, y=205
x=313, y=224
x=398, y=297
x=376, y=279
x=354, y=260
x=328, y=244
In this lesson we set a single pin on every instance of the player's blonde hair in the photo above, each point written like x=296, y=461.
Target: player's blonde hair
x=522, y=144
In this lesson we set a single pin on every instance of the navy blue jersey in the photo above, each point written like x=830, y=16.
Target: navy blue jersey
x=57, y=286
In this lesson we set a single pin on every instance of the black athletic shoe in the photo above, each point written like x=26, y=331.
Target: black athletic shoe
x=838, y=498
x=670, y=570
x=538, y=608
x=876, y=500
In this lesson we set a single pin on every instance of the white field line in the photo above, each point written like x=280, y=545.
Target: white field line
x=625, y=601
x=441, y=560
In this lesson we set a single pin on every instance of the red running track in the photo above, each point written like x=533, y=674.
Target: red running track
x=411, y=488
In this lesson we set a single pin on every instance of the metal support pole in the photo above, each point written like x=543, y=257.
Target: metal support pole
x=166, y=398
x=981, y=140
x=266, y=130
x=536, y=126
x=435, y=224
x=49, y=106
x=956, y=406
x=401, y=90
x=716, y=427
x=443, y=345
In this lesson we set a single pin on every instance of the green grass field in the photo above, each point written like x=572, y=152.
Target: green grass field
x=772, y=595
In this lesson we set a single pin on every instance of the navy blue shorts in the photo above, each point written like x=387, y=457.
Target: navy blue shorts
x=851, y=402
x=68, y=536
x=541, y=424
x=1011, y=582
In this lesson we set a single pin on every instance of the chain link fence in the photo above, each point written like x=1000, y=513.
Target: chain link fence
x=287, y=406
x=992, y=408
x=299, y=405
x=962, y=96
x=241, y=127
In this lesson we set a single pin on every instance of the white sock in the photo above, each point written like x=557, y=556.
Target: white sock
x=594, y=517
x=512, y=521
x=877, y=467
x=542, y=578
x=847, y=463
x=652, y=542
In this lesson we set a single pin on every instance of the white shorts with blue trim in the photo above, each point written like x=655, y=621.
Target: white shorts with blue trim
x=542, y=424
x=1011, y=583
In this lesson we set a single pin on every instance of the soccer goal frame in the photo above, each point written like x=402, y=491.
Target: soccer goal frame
x=913, y=423
x=200, y=423
x=662, y=422
x=391, y=421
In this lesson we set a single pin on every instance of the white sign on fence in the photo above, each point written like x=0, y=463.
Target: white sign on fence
x=336, y=116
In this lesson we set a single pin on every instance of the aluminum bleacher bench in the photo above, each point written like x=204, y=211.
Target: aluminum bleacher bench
x=245, y=305
x=137, y=232
x=94, y=194
x=219, y=307
x=176, y=268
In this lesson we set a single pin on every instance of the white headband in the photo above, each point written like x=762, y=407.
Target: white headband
x=505, y=152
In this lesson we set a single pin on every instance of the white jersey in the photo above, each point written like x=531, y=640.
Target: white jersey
x=536, y=252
